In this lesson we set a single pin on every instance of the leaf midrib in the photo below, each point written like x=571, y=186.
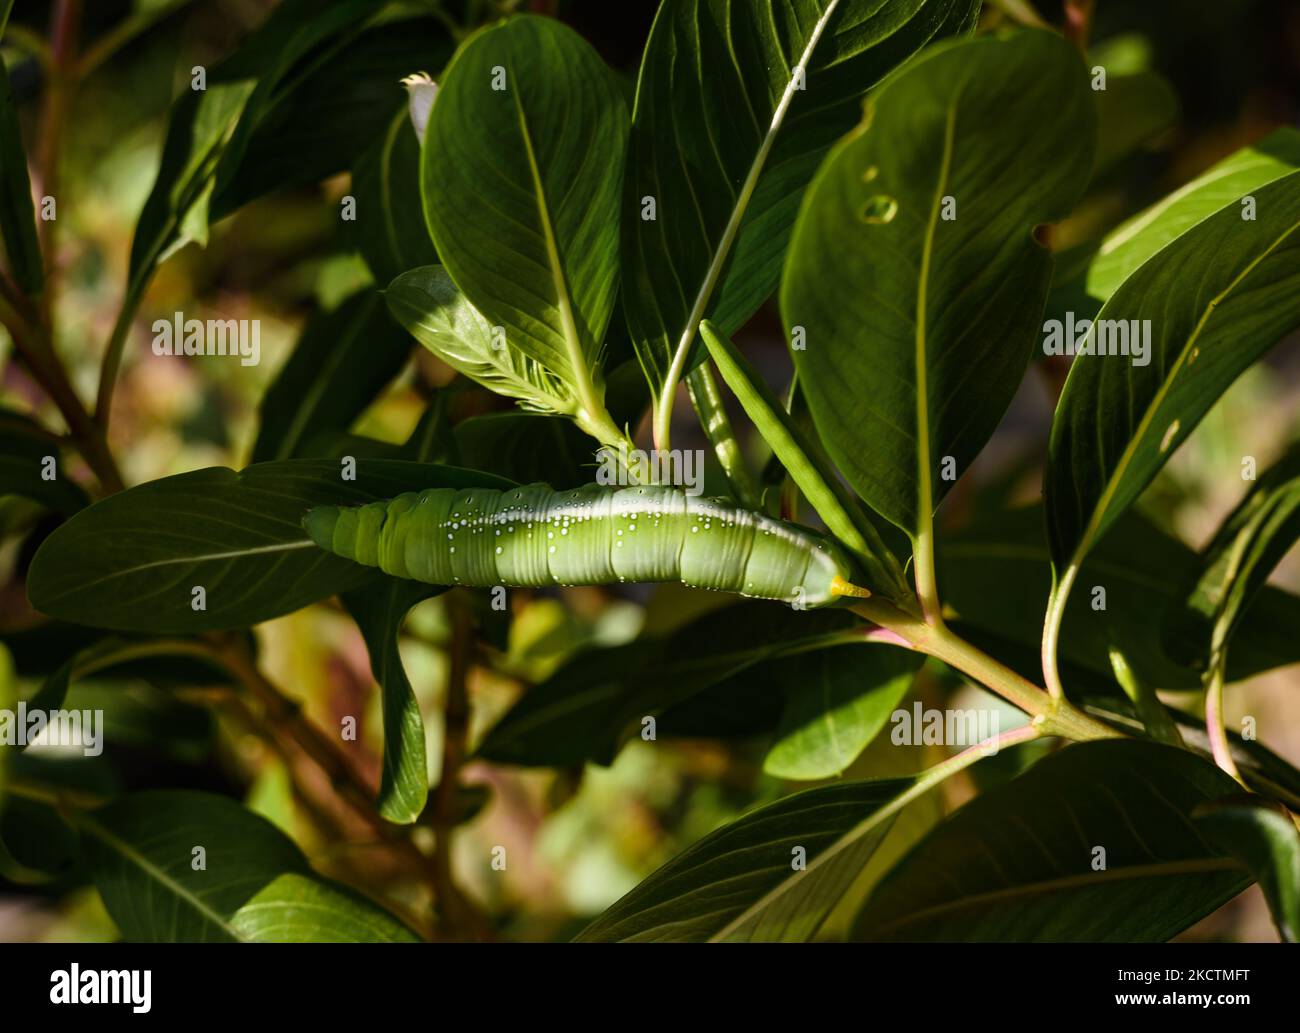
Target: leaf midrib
x=572, y=342
x=130, y=854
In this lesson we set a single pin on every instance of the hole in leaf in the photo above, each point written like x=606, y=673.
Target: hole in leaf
x=1170, y=434
x=879, y=210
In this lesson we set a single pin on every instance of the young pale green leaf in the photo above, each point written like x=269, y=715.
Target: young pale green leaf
x=253, y=885
x=340, y=364
x=132, y=561
x=808, y=467
x=379, y=610
x=17, y=215
x=837, y=701
x=1093, y=843
x=1226, y=183
x=995, y=577
x=735, y=106
x=522, y=166
x=1238, y=560
x=386, y=182
x=913, y=286
x=586, y=709
x=773, y=874
x=1208, y=305
x=441, y=318
x=1263, y=835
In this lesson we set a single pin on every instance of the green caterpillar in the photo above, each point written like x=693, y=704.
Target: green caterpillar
x=532, y=536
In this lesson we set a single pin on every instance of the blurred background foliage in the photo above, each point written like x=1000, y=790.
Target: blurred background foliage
x=1192, y=81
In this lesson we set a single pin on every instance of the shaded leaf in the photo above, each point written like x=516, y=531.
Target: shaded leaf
x=741, y=883
x=17, y=214
x=1237, y=562
x=318, y=120
x=995, y=575
x=25, y=452
x=1020, y=863
x=1214, y=300
x=736, y=104
x=255, y=884
x=130, y=561
x=342, y=361
x=919, y=326
x=390, y=229
x=1263, y=835
x=586, y=709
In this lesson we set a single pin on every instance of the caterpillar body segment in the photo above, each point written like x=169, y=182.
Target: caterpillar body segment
x=532, y=536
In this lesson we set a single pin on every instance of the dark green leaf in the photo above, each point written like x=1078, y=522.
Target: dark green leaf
x=379, y=610
x=586, y=709
x=527, y=449
x=727, y=134
x=742, y=883
x=17, y=215
x=1234, y=566
x=209, y=129
x=918, y=327
x=342, y=361
x=390, y=229
x=130, y=561
x=254, y=884
x=316, y=123
x=1263, y=835
x=26, y=453
x=522, y=168
x=996, y=574
x=1214, y=300
x=1021, y=863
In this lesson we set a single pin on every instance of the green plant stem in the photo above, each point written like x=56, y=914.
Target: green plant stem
x=112, y=361
x=1051, y=715
x=1220, y=748
x=1056, y=602
x=717, y=428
